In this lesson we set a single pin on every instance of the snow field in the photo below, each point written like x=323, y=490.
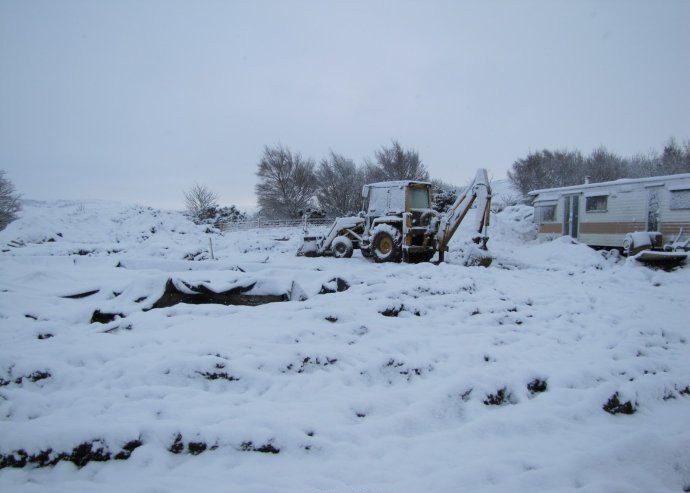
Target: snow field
x=416, y=377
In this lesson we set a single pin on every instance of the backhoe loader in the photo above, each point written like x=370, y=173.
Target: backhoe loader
x=397, y=223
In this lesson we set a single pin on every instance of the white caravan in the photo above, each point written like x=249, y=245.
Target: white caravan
x=607, y=214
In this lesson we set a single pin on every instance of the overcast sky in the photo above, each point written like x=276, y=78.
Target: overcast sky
x=138, y=100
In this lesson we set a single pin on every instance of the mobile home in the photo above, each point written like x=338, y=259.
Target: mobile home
x=602, y=214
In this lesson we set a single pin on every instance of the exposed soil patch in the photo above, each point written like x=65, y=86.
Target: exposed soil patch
x=395, y=311
x=193, y=448
x=177, y=446
x=266, y=448
x=82, y=252
x=502, y=396
x=309, y=362
x=400, y=368
x=615, y=406
x=392, y=312
x=536, y=386
x=127, y=449
x=104, y=317
x=218, y=375
x=32, y=377
x=82, y=454
x=199, y=255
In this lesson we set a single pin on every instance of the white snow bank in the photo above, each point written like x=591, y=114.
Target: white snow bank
x=415, y=378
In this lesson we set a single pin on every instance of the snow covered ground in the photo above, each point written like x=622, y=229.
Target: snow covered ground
x=558, y=368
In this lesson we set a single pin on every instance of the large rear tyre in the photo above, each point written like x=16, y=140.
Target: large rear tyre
x=342, y=247
x=385, y=244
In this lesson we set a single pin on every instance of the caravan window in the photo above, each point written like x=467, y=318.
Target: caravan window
x=546, y=213
x=598, y=203
x=680, y=199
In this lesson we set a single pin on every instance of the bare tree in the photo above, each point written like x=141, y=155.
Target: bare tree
x=545, y=169
x=287, y=183
x=201, y=203
x=603, y=165
x=674, y=158
x=9, y=202
x=396, y=163
x=642, y=165
x=339, y=185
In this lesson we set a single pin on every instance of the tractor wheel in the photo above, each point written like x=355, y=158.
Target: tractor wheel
x=342, y=247
x=385, y=244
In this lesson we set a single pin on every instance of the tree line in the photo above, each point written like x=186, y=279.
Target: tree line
x=561, y=168
x=291, y=185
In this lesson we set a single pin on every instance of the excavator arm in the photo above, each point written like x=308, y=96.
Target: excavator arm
x=479, y=193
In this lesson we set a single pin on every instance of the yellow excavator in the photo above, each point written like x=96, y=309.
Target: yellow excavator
x=398, y=224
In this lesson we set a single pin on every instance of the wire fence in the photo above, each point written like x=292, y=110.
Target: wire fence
x=260, y=223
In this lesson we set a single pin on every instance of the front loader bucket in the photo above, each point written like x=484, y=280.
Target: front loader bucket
x=309, y=247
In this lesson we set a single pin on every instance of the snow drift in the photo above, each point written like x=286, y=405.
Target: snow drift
x=556, y=369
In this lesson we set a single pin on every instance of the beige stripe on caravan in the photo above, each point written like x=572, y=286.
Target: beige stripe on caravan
x=611, y=228
x=672, y=229
x=550, y=228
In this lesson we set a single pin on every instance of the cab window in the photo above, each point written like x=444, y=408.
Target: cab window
x=419, y=198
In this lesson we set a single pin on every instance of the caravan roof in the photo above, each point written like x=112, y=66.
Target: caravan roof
x=622, y=181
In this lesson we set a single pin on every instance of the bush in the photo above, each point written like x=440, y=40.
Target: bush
x=227, y=215
x=9, y=202
x=201, y=204
x=444, y=195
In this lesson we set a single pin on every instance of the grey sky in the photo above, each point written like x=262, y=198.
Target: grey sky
x=137, y=100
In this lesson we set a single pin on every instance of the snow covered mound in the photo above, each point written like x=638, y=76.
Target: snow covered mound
x=129, y=362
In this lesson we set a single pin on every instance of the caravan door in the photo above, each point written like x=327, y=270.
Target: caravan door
x=571, y=215
x=654, y=208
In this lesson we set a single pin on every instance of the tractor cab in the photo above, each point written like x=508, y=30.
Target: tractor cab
x=395, y=197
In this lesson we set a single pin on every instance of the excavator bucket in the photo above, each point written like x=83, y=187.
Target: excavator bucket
x=476, y=256
x=309, y=247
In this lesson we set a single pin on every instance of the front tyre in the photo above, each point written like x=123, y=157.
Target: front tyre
x=385, y=244
x=342, y=247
